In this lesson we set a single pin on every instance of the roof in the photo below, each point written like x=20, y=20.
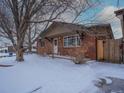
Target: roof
x=119, y=12
x=56, y=24
x=73, y=28
x=97, y=31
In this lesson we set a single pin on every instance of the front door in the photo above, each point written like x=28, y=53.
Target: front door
x=55, y=46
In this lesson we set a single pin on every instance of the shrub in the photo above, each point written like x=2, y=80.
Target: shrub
x=79, y=59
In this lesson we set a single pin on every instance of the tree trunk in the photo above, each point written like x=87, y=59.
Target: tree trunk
x=29, y=48
x=19, y=47
x=19, y=56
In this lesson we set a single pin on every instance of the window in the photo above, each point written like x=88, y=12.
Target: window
x=55, y=42
x=78, y=41
x=71, y=41
x=65, y=41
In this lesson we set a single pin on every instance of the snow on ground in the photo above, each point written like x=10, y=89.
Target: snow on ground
x=53, y=75
x=4, y=54
x=6, y=60
x=107, y=69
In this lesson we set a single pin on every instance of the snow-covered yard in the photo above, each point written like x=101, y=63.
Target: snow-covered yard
x=54, y=75
x=4, y=54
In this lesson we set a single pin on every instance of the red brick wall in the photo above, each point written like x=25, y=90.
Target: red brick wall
x=87, y=47
x=46, y=49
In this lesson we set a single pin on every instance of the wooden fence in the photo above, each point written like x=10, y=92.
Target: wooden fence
x=112, y=51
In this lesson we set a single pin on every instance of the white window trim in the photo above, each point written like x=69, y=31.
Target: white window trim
x=75, y=42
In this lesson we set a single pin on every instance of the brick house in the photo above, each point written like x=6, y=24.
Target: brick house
x=72, y=40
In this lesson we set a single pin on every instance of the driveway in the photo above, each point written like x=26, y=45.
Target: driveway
x=117, y=86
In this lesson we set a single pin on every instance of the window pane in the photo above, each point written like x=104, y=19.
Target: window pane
x=78, y=41
x=71, y=41
x=66, y=41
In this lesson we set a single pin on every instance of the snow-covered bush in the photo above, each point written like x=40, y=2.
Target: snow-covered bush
x=80, y=59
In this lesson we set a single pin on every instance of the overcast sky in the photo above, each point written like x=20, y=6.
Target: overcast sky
x=105, y=14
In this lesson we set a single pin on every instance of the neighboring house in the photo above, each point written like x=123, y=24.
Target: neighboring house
x=3, y=49
x=72, y=40
x=120, y=15
x=11, y=49
x=6, y=49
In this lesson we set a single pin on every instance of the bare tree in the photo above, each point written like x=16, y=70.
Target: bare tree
x=77, y=9
x=31, y=36
x=21, y=14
